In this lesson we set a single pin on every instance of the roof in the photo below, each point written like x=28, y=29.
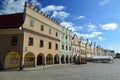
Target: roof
x=11, y=20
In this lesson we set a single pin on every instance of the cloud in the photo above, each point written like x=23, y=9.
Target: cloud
x=35, y=3
x=12, y=6
x=56, y=11
x=100, y=38
x=60, y=14
x=109, y=26
x=68, y=25
x=91, y=27
x=80, y=17
x=50, y=8
x=91, y=35
x=15, y=6
x=103, y=2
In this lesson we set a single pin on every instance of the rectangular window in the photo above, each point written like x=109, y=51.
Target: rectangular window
x=56, y=46
x=42, y=28
x=49, y=31
x=69, y=48
x=32, y=23
x=41, y=43
x=66, y=47
x=56, y=34
x=62, y=47
x=30, y=42
x=66, y=37
x=50, y=45
x=14, y=41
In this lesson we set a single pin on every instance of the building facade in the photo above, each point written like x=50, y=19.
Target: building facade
x=76, y=49
x=65, y=45
x=82, y=51
x=30, y=38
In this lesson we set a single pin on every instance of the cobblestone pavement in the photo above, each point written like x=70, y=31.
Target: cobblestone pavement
x=90, y=71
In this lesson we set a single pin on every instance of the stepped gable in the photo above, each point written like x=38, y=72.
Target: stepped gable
x=11, y=20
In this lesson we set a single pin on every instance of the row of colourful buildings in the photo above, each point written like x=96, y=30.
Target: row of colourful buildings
x=33, y=38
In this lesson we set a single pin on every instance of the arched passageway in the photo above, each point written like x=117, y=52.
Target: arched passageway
x=74, y=59
x=67, y=59
x=49, y=59
x=56, y=59
x=71, y=59
x=40, y=59
x=12, y=60
x=29, y=59
x=62, y=59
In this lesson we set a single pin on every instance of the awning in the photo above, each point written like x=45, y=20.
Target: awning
x=102, y=57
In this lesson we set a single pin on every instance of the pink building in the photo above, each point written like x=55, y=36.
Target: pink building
x=76, y=49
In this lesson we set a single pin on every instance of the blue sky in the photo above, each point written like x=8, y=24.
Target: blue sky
x=96, y=20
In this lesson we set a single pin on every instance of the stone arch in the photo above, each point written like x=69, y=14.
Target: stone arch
x=29, y=59
x=67, y=59
x=49, y=59
x=74, y=58
x=12, y=60
x=62, y=58
x=56, y=59
x=71, y=60
x=41, y=59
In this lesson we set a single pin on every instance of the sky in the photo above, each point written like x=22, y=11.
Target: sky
x=96, y=20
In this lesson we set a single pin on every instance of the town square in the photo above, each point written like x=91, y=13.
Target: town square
x=90, y=71
x=59, y=40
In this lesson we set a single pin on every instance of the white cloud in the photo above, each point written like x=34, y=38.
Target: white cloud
x=100, y=38
x=15, y=6
x=12, y=6
x=91, y=27
x=80, y=17
x=35, y=3
x=56, y=11
x=68, y=25
x=91, y=35
x=103, y=2
x=50, y=8
x=60, y=14
x=109, y=26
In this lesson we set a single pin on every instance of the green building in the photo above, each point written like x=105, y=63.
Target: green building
x=65, y=45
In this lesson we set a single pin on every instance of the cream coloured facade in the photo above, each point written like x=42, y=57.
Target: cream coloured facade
x=36, y=40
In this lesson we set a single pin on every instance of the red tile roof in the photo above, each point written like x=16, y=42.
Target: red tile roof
x=11, y=20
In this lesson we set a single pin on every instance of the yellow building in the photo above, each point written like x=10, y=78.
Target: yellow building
x=82, y=50
x=30, y=38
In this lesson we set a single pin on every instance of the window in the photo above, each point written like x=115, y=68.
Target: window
x=30, y=41
x=69, y=48
x=41, y=43
x=56, y=34
x=14, y=41
x=49, y=31
x=32, y=23
x=29, y=59
x=42, y=27
x=14, y=60
x=50, y=45
x=56, y=46
x=62, y=47
x=66, y=37
x=66, y=47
